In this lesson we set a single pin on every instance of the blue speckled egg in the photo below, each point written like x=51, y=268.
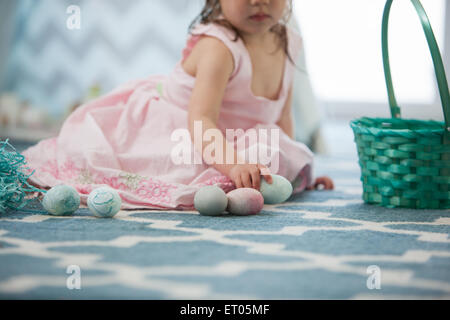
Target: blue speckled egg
x=61, y=200
x=104, y=202
x=245, y=202
x=278, y=192
x=210, y=201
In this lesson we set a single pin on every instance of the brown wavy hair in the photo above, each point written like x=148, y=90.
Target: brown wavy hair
x=212, y=10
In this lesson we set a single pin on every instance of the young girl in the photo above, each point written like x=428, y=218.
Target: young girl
x=236, y=73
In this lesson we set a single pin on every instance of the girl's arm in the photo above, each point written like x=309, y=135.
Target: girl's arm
x=286, y=122
x=213, y=70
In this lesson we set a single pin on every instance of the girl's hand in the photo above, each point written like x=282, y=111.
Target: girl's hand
x=249, y=175
x=326, y=182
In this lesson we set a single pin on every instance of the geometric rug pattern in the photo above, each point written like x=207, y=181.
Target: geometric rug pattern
x=317, y=245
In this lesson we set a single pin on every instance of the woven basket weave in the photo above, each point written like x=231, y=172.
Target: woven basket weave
x=406, y=163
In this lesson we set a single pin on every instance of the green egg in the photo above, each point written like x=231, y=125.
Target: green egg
x=61, y=200
x=210, y=201
x=104, y=202
x=278, y=192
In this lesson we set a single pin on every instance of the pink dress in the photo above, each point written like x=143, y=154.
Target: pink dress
x=124, y=139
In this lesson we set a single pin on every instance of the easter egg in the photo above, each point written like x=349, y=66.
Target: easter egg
x=61, y=200
x=245, y=202
x=210, y=201
x=278, y=192
x=104, y=202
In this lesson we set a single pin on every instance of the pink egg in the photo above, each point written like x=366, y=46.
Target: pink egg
x=245, y=201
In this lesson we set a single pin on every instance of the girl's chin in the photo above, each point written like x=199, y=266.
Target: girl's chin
x=260, y=28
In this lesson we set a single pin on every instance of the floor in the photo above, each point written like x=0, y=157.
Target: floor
x=317, y=245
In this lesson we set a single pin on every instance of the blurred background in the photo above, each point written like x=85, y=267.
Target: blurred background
x=49, y=65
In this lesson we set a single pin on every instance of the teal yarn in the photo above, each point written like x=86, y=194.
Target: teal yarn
x=14, y=186
x=61, y=200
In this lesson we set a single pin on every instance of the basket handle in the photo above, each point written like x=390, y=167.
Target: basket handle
x=437, y=61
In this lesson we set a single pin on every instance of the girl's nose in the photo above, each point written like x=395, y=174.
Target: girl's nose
x=255, y=2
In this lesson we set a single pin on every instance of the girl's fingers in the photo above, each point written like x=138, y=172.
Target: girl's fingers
x=256, y=179
x=238, y=182
x=246, y=181
x=268, y=178
x=265, y=172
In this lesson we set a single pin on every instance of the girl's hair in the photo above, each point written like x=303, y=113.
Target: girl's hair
x=212, y=10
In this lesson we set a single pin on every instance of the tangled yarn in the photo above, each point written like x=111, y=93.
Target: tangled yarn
x=14, y=186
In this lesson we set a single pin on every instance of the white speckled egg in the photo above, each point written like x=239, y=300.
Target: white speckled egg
x=278, y=192
x=61, y=200
x=245, y=202
x=210, y=201
x=104, y=202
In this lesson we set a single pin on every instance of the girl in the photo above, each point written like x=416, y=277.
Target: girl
x=236, y=73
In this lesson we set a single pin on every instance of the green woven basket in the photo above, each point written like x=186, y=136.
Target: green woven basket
x=406, y=163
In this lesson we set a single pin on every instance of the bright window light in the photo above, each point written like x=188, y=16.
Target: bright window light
x=343, y=49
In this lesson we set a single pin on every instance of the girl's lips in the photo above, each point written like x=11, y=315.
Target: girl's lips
x=259, y=17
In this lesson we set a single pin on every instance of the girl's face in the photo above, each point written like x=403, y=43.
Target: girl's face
x=253, y=16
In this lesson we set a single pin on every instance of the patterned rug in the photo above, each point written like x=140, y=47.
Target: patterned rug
x=318, y=245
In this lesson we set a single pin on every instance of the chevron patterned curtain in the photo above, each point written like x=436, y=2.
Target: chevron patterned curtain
x=52, y=66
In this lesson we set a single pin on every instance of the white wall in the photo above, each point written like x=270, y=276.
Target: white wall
x=343, y=49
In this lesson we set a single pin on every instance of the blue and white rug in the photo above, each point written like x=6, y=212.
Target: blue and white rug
x=318, y=245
